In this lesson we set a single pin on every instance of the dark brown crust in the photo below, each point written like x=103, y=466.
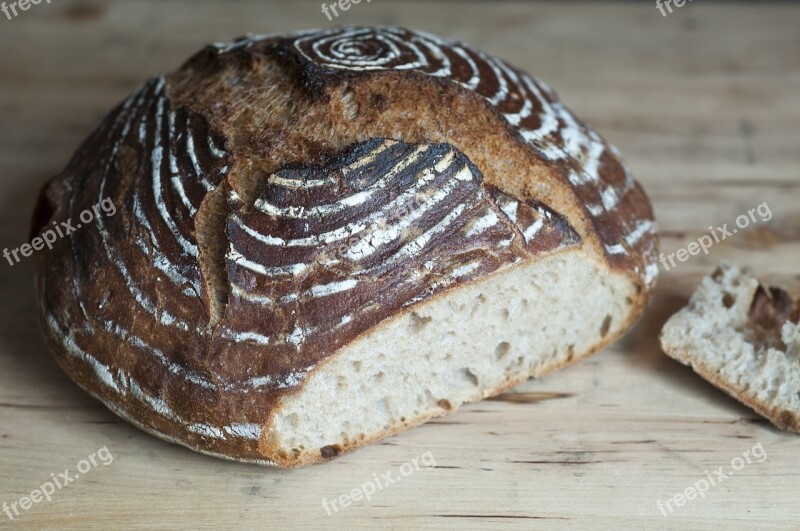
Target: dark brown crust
x=613, y=206
x=140, y=324
x=612, y=226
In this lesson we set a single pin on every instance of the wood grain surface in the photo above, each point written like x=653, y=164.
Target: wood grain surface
x=705, y=106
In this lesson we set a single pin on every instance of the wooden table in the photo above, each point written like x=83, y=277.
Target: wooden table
x=704, y=103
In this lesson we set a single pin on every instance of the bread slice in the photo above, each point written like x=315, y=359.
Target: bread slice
x=745, y=339
x=327, y=237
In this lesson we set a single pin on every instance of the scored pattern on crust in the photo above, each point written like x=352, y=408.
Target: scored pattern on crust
x=614, y=201
x=157, y=164
x=381, y=227
x=327, y=253
x=134, y=316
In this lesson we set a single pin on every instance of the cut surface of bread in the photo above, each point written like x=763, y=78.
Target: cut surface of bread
x=745, y=339
x=326, y=237
x=426, y=363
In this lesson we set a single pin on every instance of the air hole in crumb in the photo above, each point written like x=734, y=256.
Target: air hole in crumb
x=293, y=421
x=379, y=376
x=525, y=303
x=570, y=352
x=470, y=376
x=628, y=301
x=505, y=313
x=480, y=298
x=418, y=322
x=445, y=404
x=606, y=326
x=357, y=366
x=429, y=397
x=382, y=407
x=341, y=383
x=728, y=300
x=296, y=452
x=502, y=349
x=456, y=306
x=330, y=451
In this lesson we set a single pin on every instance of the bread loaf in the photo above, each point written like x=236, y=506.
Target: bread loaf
x=327, y=237
x=744, y=338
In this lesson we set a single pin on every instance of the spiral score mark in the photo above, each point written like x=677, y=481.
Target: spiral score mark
x=362, y=49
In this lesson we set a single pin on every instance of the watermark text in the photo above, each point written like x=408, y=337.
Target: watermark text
x=713, y=478
x=59, y=230
x=378, y=483
x=715, y=236
x=57, y=482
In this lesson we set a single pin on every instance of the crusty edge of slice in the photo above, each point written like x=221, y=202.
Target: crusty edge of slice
x=782, y=418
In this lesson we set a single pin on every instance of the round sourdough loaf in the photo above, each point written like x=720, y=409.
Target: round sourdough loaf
x=326, y=237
